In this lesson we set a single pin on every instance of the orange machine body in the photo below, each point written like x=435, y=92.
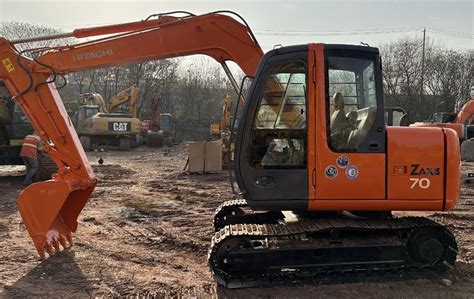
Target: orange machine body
x=420, y=169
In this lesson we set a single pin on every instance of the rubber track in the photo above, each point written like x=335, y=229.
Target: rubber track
x=301, y=229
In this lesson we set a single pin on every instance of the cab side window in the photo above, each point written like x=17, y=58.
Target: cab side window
x=279, y=130
x=352, y=102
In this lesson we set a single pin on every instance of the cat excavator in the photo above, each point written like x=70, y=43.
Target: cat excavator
x=311, y=140
x=98, y=123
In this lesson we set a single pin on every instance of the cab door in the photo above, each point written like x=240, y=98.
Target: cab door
x=271, y=148
x=349, y=137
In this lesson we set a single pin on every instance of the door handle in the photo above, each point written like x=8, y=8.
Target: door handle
x=374, y=145
x=264, y=181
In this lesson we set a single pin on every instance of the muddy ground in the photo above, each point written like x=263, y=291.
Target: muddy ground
x=146, y=230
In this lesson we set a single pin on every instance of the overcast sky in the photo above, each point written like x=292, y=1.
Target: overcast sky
x=276, y=22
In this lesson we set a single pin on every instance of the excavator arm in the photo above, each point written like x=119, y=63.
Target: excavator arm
x=128, y=95
x=50, y=209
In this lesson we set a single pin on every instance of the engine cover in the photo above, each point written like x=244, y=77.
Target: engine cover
x=423, y=164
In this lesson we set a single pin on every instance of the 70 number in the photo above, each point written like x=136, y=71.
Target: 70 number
x=423, y=183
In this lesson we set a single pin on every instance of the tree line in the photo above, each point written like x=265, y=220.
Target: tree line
x=193, y=90
x=441, y=82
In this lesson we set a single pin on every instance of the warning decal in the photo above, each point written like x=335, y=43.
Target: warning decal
x=8, y=65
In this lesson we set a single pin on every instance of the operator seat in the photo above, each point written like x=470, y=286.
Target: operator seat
x=365, y=121
x=339, y=123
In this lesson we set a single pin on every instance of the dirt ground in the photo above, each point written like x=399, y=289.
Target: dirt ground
x=146, y=231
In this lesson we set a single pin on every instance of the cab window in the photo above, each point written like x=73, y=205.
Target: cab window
x=279, y=130
x=352, y=102
x=91, y=111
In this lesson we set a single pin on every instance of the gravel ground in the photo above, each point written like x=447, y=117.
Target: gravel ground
x=146, y=231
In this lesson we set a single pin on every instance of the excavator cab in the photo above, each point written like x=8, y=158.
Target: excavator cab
x=87, y=111
x=314, y=138
x=292, y=125
x=442, y=117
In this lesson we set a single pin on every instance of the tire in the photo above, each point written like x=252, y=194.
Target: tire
x=85, y=142
x=124, y=144
x=155, y=139
x=46, y=168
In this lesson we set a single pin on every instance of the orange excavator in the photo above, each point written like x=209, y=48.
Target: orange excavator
x=460, y=122
x=311, y=140
x=159, y=129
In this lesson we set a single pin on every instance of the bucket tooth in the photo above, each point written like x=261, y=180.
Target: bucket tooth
x=56, y=245
x=49, y=249
x=69, y=239
x=41, y=252
x=62, y=241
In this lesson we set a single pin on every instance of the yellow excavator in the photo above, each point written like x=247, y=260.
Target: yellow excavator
x=224, y=123
x=98, y=123
x=222, y=130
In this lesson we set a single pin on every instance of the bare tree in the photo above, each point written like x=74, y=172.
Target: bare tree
x=446, y=83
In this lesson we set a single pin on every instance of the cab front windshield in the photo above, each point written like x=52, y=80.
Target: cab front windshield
x=283, y=103
x=280, y=122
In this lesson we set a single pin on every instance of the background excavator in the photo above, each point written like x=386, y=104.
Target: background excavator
x=222, y=130
x=298, y=148
x=14, y=127
x=158, y=130
x=98, y=123
x=461, y=122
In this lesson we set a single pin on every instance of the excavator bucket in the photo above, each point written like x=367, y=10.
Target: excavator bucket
x=49, y=211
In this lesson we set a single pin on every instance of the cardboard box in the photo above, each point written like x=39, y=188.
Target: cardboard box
x=205, y=156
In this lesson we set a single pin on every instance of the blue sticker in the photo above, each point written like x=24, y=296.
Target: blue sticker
x=342, y=161
x=331, y=171
x=352, y=172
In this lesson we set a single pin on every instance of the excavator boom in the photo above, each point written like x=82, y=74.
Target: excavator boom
x=218, y=36
x=50, y=209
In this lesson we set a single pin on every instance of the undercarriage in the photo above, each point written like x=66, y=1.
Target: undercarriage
x=324, y=249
